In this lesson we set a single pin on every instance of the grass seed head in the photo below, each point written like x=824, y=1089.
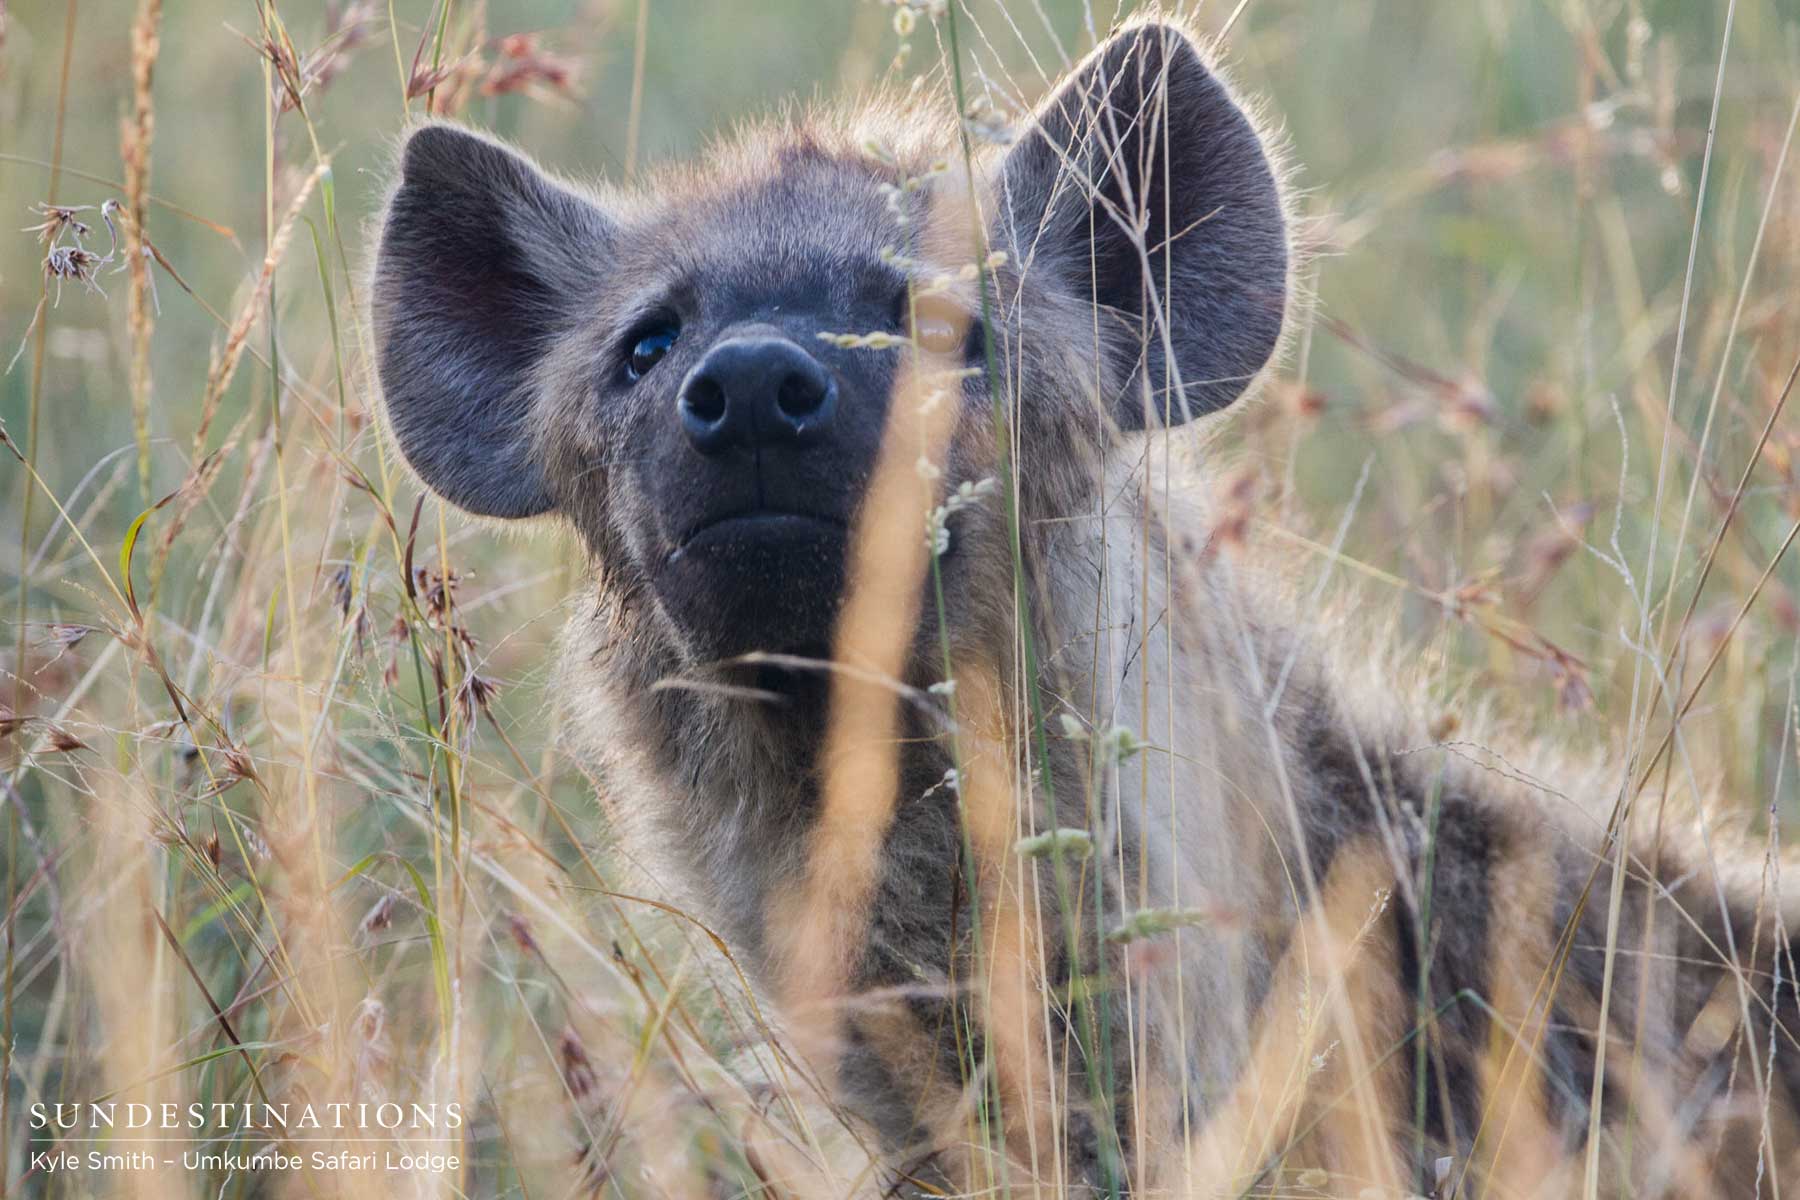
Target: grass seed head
x=577, y=1069
x=64, y=742
x=59, y=220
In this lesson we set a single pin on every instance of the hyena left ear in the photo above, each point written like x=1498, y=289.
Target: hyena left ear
x=1144, y=187
x=484, y=263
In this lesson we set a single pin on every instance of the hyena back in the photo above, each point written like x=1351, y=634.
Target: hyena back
x=905, y=667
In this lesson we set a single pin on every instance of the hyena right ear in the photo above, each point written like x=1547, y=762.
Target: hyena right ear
x=1144, y=188
x=483, y=263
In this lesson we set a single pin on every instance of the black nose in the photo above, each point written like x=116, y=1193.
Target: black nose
x=756, y=391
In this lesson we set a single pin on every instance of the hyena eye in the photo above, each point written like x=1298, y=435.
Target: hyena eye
x=649, y=347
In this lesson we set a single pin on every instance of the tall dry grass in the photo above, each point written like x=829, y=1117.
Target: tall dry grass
x=285, y=810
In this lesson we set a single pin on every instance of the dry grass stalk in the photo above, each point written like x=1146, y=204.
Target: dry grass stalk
x=1316, y=1094
x=827, y=912
x=1011, y=982
x=136, y=133
x=238, y=336
x=136, y=984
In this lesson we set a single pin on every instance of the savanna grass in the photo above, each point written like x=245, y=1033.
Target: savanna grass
x=286, y=811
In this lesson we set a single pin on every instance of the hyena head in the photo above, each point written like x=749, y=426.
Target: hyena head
x=651, y=366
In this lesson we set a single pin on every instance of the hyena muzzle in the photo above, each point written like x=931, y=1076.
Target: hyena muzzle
x=906, y=667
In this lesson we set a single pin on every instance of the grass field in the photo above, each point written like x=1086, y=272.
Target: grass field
x=284, y=807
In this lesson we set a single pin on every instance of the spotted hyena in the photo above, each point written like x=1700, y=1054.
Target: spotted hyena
x=907, y=666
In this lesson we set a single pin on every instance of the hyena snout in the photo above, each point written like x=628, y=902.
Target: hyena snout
x=756, y=390
x=759, y=514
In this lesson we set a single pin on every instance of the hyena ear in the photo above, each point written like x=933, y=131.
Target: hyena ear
x=483, y=263
x=1142, y=156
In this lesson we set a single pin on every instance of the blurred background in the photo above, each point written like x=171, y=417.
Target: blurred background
x=1552, y=323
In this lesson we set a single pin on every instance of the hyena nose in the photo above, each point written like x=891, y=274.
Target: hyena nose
x=756, y=391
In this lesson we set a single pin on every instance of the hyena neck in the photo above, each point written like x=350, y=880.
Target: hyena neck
x=1196, y=702
x=711, y=778
x=1140, y=631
